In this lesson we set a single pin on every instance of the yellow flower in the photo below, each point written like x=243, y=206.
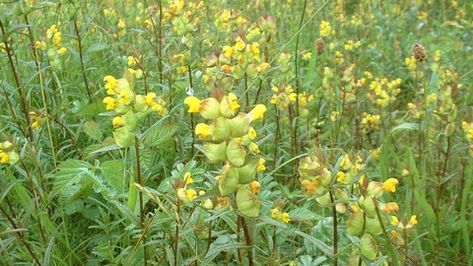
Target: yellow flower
x=191, y=194
x=188, y=178
x=4, y=158
x=228, y=51
x=275, y=213
x=118, y=121
x=193, y=103
x=62, y=50
x=413, y=220
x=57, y=38
x=285, y=218
x=51, y=31
x=149, y=98
x=126, y=96
x=233, y=100
x=261, y=167
x=325, y=28
x=390, y=184
x=394, y=220
x=254, y=148
x=203, y=130
x=131, y=61
x=251, y=133
x=341, y=176
x=390, y=207
x=255, y=187
x=262, y=67
x=258, y=112
x=240, y=44
x=40, y=45
x=110, y=103
x=307, y=56
x=121, y=23
x=410, y=63
x=110, y=84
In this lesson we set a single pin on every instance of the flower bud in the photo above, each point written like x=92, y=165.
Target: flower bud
x=181, y=194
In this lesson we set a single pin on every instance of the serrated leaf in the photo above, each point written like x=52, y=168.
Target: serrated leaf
x=319, y=244
x=70, y=180
x=92, y=129
x=112, y=172
x=160, y=134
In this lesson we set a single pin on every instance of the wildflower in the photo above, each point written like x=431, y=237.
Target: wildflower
x=203, y=130
x=188, y=178
x=254, y=148
x=394, y=220
x=4, y=158
x=240, y=44
x=413, y=220
x=307, y=56
x=285, y=218
x=341, y=176
x=118, y=121
x=110, y=84
x=255, y=187
x=390, y=207
x=233, y=100
x=193, y=103
x=131, y=61
x=191, y=194
x=41, y=45
x=62, y=51
x=262, y=67
x=228, y=51
x=251, y=133
x=149, y=98
x=258, y=112
x=275, y=213
x=390, y=185
x=325, y=28
x=261, y=167
x=57, y=38
x=410, y=63
x=121, y=23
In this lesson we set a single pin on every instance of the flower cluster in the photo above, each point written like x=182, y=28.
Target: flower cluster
x=53, y=45
x=128, y=108
x=8, y=154
x=229, y=138
x=383, y=91
x=281, y=216
x=370, y=122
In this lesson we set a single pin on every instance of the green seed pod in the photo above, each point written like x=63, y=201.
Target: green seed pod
x=247, y=172
x=374, y=189
x=238, y=72
x=450, y=129
x=251, y=71
x=368, y=247
x=221, y=129
x=236, y=153
x=210, y=108
x=215, y=152
x=239, y=125
x=247, y=202
x=355, y=224
x=13, y=157
x=324, y=200
x=140, y=104
x=123, y=137
x=373, y=226
x=130, y=120
x=368, y=205
x=228, y=183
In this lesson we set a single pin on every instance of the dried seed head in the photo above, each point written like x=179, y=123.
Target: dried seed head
x=418, y=51
x=320, y=45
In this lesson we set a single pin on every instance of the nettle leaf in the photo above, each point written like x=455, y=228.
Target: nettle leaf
x=160, y=134
x=71, y=179
x=112, y=172
x=92, y=129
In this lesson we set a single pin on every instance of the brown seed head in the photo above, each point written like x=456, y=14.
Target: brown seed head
x=418, y=51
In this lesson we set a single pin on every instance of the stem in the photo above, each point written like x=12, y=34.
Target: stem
x=248, y=241
x=296, y=63
x=176, y=236
x=20, y=236
x=385, y=233
x=84, y=76
x=140, y=181
x=247, y=93
x=23, y=101
x=189, y=71
x=335, y=231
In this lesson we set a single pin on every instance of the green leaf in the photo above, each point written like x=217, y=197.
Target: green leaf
x=92, y=129
x=160, y=134
x=319, y=244
x=71, y=179
x=112, y=172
